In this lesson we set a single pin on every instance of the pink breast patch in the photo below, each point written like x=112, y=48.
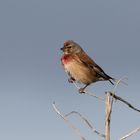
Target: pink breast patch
x=65, y=59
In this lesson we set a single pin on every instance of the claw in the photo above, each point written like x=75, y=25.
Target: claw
x=81, y=90
x=71, y=80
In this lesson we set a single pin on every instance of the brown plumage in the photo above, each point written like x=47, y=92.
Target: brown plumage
x=80, y=67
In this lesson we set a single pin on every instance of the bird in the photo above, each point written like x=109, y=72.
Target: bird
x=80, y=67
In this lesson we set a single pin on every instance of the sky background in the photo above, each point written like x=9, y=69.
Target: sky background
x=31, y=76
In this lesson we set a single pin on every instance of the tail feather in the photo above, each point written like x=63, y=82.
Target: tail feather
x=117, y=81
x=109, y=78
x=111, y=81
x=104, y=76
x=120, y=81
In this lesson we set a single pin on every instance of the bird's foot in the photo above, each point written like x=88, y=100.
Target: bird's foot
x=81, y=90
x=71, y=80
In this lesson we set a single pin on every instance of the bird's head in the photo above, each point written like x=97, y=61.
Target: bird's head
x=71, y=47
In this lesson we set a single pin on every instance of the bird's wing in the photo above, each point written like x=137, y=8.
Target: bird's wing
x=86, y=60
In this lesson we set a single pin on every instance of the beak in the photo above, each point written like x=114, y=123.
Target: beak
x=61, y=49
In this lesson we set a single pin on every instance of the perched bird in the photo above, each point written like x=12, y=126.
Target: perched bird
x=80, y=67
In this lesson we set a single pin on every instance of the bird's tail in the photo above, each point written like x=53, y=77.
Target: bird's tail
x=109, y=78
x=112, y=80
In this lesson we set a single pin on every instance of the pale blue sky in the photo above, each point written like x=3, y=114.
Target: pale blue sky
x=31, y=77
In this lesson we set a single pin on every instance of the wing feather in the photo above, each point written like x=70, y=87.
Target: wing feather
x=86, y=60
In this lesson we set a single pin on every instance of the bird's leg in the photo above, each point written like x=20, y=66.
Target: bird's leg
x=81, y=90
x=71, y=80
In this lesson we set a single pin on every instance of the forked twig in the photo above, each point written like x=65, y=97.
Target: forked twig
x=77, y=131
x=130, y=133
x=87, y=123
x=108, y=109
x=108, y=103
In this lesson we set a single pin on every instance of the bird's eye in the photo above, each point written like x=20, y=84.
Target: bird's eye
x=69, y=47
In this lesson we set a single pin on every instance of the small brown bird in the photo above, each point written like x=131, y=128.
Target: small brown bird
x=80, y=67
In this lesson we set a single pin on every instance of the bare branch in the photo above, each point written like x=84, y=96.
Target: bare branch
x=124, y=101
x=108, y=107
x=130, y=133
x=77, y=131
x=88, y=93
x=108, y=110
x=109, y=100
x=87, y=122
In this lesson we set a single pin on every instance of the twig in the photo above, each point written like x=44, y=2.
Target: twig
x=122, y=100
x=77, y=131
x=87, y=122
x=118, y=83
x=130, y=133
x=90, y=94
